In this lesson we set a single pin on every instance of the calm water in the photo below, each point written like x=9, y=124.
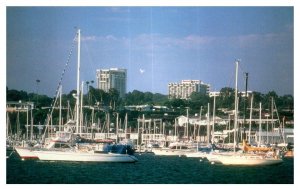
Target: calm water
x=150, y=169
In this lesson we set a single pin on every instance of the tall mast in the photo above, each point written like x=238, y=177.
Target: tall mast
x=208, y=124
x=198, y=134
x=250, y=121
x=175, y=133
x=272, y=117
x=81, y=111
x=245, y=106
x=117, y=127
x=213, y=124
x=260, y=130
x=126, y=125
x=235, y=102
x=60, y=93
x=187, y=123
x=78, y=79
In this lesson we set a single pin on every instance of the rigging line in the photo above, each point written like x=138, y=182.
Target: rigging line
x=66, y=65
x=50, y=111
x=49, y=116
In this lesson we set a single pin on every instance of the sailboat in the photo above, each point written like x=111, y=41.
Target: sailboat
x=109, y=153
x=249, y=156
x=87, y=153
x=252, y=156
x=177, y=149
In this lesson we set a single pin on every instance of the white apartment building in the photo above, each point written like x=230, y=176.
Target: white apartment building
x=185, y=88
x=112, y=78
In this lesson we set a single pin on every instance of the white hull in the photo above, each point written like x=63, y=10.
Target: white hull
x=248, y=160
x=196, y=154
x=213, y=157
x=26, y=153
x=170, y=152
x=84, y=156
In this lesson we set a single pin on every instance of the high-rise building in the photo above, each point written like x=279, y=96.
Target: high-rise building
x=184, y=89
x=112, y=78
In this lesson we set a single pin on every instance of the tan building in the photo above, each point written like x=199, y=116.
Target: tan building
x=185, y=88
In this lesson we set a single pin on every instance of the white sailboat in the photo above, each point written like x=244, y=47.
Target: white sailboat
x=200, y=153
x=85, y=157
x=248, y=158
x=251, y=158
x=170, y=151
x=88, y=153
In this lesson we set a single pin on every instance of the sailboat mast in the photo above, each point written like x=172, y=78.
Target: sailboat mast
x=60, y=93
x=78, y=79
x=250, y=121
x=245, y=106
x=175, y=133
x=81, y=111
x=208, y=124
x=235, y=103
x=272, y=117
x=187, y=123
x=198, y=134
x=260, y=130
x=126, y=122
x=213, y=124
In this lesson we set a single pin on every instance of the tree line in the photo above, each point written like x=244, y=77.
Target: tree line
x=110, y=102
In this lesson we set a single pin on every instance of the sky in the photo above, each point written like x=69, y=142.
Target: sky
x=157, y=46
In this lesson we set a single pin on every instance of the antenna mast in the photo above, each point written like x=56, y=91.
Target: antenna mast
x=78, y=79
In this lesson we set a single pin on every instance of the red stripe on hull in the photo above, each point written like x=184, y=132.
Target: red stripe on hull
x=29, y=157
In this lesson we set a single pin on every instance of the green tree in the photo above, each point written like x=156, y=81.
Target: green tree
x=197, y=100
x=134, y=98
x=148, y=98
x=15, y=95
x=226, y=99
x=113, y=96
x=257, y=98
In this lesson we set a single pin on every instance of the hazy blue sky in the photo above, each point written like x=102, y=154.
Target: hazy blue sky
x=170, y=43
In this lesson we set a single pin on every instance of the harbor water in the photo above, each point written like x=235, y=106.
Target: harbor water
x=150, y=169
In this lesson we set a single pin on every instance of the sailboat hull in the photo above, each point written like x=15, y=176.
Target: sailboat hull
x=84, y=156
x=248, y=160
x=170, y=152
x=196, y=154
